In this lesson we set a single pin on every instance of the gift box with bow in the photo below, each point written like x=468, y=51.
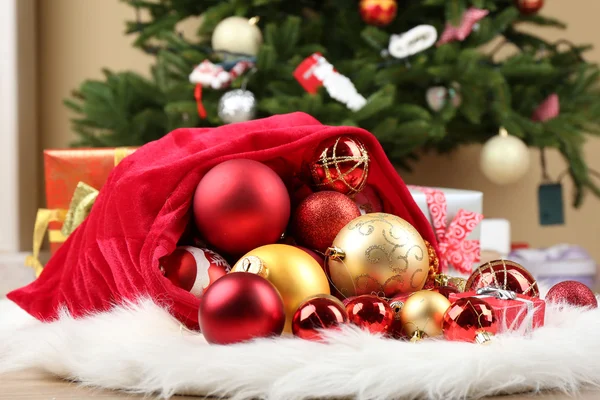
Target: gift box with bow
x=515, y=312
x=73, y=178
x=455, y=216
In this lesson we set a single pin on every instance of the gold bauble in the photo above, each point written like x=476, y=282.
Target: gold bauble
x=423, y=314
x=294, y=273
x=378, y=253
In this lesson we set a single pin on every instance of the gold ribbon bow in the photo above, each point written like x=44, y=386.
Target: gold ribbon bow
x=79, y=208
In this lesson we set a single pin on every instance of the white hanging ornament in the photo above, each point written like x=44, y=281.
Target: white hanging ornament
x=414, y=41
x=504, y=158
x=238, y=105
x=237, y=35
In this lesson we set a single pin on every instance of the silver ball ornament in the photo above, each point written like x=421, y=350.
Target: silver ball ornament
x=237, y=105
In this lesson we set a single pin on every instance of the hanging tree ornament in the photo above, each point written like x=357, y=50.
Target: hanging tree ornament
x=238, y=105
x=527, y=7
x=437, y=97
x=504, y=158
x=411, y=42
x=378, y=253
x=378, y=12
x=237, y=35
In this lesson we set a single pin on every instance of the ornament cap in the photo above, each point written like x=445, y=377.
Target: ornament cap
x=335, y=253
x=397, y=307
x=253, y=265
x=417, y=336
x=503, y=132
x=483, y=337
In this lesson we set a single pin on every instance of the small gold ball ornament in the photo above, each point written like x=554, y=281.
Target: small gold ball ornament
x=295, y=274
x=378, y=253
x=423, y=314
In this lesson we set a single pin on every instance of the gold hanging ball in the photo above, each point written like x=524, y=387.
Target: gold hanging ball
x=423, y=314
x=294, y=273
x=378, y=253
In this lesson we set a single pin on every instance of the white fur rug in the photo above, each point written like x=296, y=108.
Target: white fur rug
x=141, y=348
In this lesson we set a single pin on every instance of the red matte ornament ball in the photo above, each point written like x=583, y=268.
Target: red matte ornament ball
x=240, y=205
x=529, y=6
x=241, y=306
x=193, y=269
x=320, y=217
x=573, y=293
x=316, y=314
x=467, y=318
x=340, y=164
x=370, y=312
x=503, y=274
x=378, y=12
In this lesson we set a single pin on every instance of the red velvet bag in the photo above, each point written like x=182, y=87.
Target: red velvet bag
x=144, y=207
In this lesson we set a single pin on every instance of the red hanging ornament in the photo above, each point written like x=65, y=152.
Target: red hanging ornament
x=529, y=6
x=320, y=217
x=240, y=205
x=193, y=269
x=340, y=164
x=241, y=306
x=318, y=313
x=378, y=12
x=396, y=331
x=503, y=274
x=573, y=293
x=370, y=312
x=470, y=320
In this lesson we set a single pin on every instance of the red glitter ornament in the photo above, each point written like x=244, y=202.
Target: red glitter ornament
x=241, y=306
x=529, y=6
x=340, y=164
x=503, y=274
x=573, y=293
x=318, y=313
x=240, y=205
x=378, y=12
x=370, y=312
x=320, y=217
x=470, y=319
x=193, y=269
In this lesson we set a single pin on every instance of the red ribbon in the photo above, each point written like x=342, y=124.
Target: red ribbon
x=198, y=97
x=454, y=248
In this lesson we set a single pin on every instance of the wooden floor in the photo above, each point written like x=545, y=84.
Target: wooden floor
x=36, y=385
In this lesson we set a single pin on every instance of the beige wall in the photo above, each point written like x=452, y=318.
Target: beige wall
x=78, y=37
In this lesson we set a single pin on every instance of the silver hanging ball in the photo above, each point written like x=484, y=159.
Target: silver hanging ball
x=237, y=105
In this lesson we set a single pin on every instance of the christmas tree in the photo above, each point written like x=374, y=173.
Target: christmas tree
x=439, y=86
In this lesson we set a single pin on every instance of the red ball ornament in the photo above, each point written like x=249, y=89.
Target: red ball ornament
x=318, y=258
x=529, y=6
x=318, y=313
x=573, y=293
x=370, y=312
x=320, y=217
x=396, y=304
x=470, y=319
x=368, y=201
x=503, y=274
x=378, y=12
x=340, y=164
x=240, y=205
x=241, y=306
x=193, y=269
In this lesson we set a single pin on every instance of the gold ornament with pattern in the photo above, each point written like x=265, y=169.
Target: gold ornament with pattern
x=378, y=254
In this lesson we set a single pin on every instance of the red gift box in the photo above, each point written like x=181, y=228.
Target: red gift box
x=515, y=312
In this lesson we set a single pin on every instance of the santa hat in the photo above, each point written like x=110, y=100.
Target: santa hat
x=144, y=207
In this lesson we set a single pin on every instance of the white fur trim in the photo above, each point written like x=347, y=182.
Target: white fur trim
x=141, y=348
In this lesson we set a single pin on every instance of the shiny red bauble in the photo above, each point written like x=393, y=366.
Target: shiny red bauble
x=368, y=201
x=240, y=205
x=503, y=274
x=529, y=6
x=469, y=317
x=320, y=217
x=370, y=312
x=193, y=269
x=573, y=293
x=240, y=306
x=378, y=12
x=316, y=314
x=340, y=164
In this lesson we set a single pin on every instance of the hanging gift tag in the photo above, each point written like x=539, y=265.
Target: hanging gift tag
x=414, y=41
x=550, y=199
x=315, y=71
